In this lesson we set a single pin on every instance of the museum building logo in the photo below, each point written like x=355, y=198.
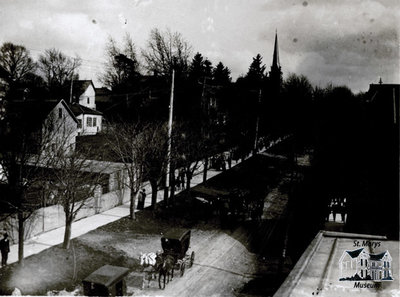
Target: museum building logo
x=359, y=265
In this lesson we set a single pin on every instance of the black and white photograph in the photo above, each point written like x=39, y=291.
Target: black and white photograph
x=206, y=148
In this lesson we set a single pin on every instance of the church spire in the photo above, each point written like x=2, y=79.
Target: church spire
x=275, y=75
x=275, y=61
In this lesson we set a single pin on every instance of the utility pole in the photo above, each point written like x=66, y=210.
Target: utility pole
x=257, y=123
x=171, y=113
x=205, y=110
x=70, y=91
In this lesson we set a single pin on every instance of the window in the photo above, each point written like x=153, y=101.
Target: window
x=361, y=272
x=94, y=122
x=79, y=123
x=88, y=100
x=60, y=113
x=361, y=262
x=89, y=122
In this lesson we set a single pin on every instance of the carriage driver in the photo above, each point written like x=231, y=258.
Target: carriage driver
x=159, y=259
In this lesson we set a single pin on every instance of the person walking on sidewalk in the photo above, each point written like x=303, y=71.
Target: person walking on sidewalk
x=142, y=197
x=5, y=249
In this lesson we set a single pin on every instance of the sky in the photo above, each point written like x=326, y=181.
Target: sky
x=343, y=42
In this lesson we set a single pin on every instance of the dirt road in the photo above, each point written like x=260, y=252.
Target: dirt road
x=222, y=265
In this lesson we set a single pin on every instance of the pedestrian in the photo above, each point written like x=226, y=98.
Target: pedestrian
x=177, y=182
x=328, y=212
x=335, y=209
x=141, y=198
x=229, y=160
x=343, y=210
x=5, y=249
x=223, y=162
x=182, y=177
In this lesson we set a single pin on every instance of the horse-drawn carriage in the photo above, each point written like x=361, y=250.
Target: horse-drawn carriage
x=175, y=244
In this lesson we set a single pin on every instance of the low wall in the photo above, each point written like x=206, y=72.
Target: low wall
x=52, y=217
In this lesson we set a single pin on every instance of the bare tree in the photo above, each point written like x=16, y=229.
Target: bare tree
x=122, y=66
x=57, y=69
x=15, y=65
x=25, y=148
x=73, y=180
x=165, y=51
x=129, y=142
x=156, y=156
x=189, y=149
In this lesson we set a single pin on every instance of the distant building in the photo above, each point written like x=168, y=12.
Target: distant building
x=83, y=105
x=384, y=102
x=83, y=93
x=382, y=163
x=103, y=95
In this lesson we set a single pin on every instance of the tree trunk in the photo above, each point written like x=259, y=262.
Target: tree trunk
x=189, y=175
x=21, y=231
x=67, y=233
x=205, y=169
x=132, y=204
x=165, y=191
x=154, y=190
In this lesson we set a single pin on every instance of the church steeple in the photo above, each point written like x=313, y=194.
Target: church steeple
x=275, y=60
x=275, y=74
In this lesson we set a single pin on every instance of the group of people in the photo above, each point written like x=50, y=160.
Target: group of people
x=4, y=248
x=335, y=207
x=219, y=162
x=180, y=179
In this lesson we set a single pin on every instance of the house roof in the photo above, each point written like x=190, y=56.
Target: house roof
x=80, y=86
x=377, y=257
x=78, y=109
x=355, y=253
x=383, y=90
x=33, y=112
x=103, y=95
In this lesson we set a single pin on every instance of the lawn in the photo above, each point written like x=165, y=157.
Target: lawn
x=58, y=269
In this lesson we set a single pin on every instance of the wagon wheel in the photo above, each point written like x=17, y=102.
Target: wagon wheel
x=183, y=266
x=191, y=259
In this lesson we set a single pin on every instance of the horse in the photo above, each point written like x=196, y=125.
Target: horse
x=166, y=269
x=151, y=264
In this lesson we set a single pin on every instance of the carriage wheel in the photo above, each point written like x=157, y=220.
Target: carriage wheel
x=161, y=281
x=183, y=266
x=191, y=259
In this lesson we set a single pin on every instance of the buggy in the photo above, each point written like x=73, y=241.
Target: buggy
x=175, y=244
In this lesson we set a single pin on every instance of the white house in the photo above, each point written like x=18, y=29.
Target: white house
x=366, y=266
x=354, y=262
x=60, y=128
x=381, y=266
x=48, y=124
x=83, y=106
x=89, y=120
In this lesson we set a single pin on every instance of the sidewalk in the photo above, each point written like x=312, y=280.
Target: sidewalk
x=54, y=237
